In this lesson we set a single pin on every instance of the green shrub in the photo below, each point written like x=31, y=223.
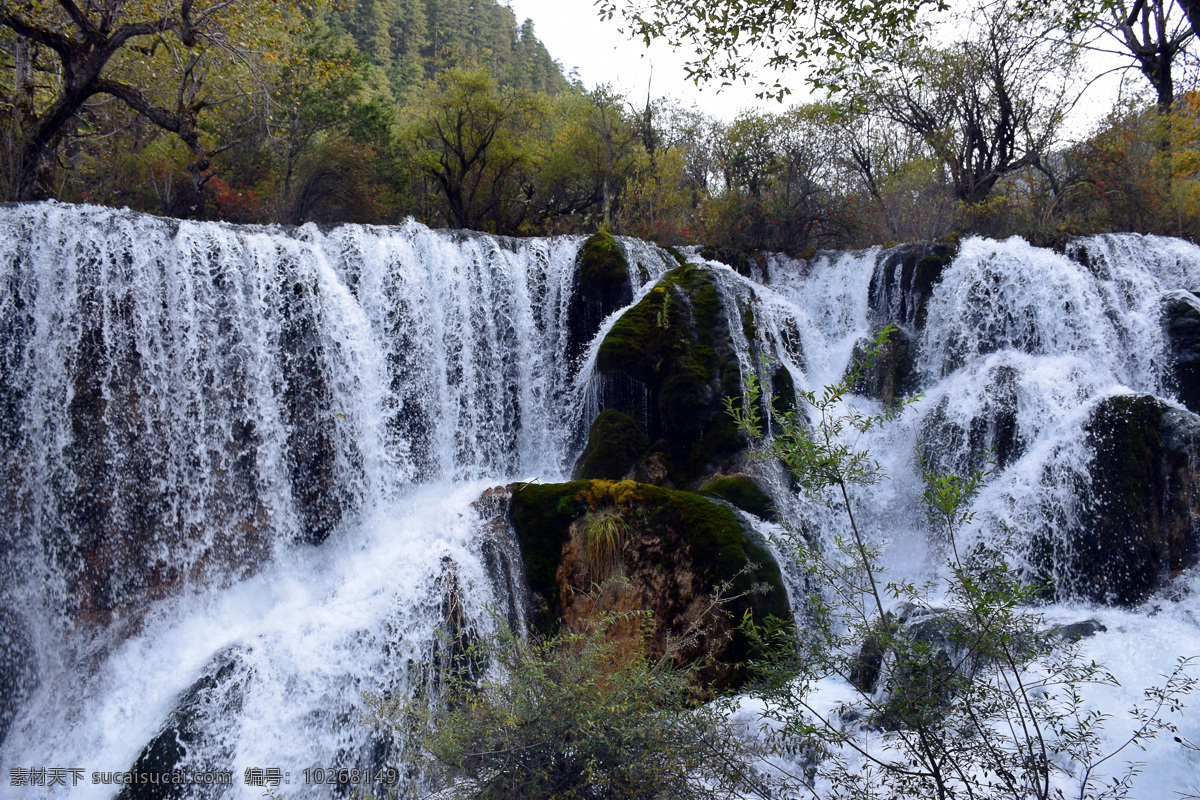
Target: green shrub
x=576, y=716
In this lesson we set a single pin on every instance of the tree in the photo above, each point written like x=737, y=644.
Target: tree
x=319, y=88
x=987, y=106
x=827, y=37
x=466, y=137
x=153, y=57
x=1153, y=33
x=1154, y=43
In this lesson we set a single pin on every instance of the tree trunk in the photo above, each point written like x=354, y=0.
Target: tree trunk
x=1192, y=9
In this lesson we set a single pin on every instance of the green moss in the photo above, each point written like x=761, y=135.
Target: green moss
x=743, y=492
x=673, y=342
x=615, y=443
x=748, y=324
x=720, y=550
x=678, y=256
x=601, y=262
x=541, y=515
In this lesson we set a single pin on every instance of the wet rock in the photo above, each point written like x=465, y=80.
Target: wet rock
x=908, y=663
x=501, y=555
x=190, y=738
x=614, y=446
x=751, y=264
x=1077, y=631
x=743, y=492
x=952, y=446
x=892, y=372
x=673, y=549
x=904, y=280
x=1181, y=324
x=18, y=675
x=1139, y=522
x=312, y=453
x=601, y=286
x=667, y=364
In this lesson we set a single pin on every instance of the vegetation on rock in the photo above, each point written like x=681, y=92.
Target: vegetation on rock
x=666, y=363
x=583, y=714
x=674, y=551
x=601, y=286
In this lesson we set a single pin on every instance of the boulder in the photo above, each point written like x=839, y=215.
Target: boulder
x=904, y=280
x=892, y=373
x=669, y=550
x=900, y=289
x=749, y=263
x=950, y=446
x=1181, y=325
x=1138, y=523
x=312, y=452
x=667, y=365
x=743, y=492
x=614, y=447
x=601, y=286
x=191, y=732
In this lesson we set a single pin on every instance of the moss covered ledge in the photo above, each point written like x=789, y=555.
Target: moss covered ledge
x=671, y=549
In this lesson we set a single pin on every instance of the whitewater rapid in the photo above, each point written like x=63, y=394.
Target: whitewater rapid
x=224, y=390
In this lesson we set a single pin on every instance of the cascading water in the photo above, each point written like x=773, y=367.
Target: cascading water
x=186, y=409
x=190, y=405
x=1015, y=348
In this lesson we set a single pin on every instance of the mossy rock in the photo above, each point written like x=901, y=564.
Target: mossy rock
x=892, y=374
x=668, y=363
x=615, y=443
x=601, y=286
x=1137, y=527
x=744, y=262
x=783, y=391
x=677, y=548
x=743, y=492
x=675, y=254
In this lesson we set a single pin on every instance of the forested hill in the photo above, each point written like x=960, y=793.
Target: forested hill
x=413, y=40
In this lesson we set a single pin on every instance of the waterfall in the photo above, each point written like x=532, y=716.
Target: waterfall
x=188, y=408
x=245, y=468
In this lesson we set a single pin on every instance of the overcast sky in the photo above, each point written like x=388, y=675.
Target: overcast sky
x=577, y=38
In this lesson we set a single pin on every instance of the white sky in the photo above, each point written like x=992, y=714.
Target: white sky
x=577, y=38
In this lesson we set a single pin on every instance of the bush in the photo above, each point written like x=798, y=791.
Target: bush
x=574, y=716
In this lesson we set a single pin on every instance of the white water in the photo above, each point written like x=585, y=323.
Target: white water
x=427, y=367
x=1009, y=328
x=423, y=367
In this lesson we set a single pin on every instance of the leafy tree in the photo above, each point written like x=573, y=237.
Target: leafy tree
x=466, y=136
x=320, y=87
x=155, y=58
x=988, y=106
x=1152, y=34
x=828, y=38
